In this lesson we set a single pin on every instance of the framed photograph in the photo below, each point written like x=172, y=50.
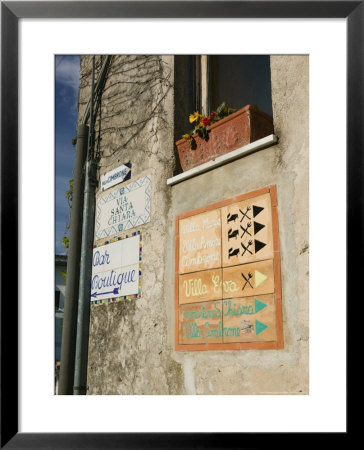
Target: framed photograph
x=32, y=33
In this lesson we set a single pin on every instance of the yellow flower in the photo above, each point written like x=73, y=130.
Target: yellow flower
x=194, y=117
x=186, y=137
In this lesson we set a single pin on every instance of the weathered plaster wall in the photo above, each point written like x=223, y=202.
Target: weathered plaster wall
x=128, y=348
x=286, y=165
x=131, y=346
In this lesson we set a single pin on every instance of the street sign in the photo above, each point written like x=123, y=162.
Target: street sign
x=116, y=270
x=228, y=288
x=115, y=176
x=123, y=208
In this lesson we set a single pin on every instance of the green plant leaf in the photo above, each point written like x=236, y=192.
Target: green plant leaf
x=66, y=241
x=220, y=108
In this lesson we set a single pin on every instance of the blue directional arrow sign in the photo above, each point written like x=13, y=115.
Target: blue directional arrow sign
x=259, y=305
x=259, y=327
x=115, y=291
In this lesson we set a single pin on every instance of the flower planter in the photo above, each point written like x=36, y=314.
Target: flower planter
x=240, y=128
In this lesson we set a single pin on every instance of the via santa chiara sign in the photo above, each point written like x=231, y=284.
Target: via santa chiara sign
x=124, y=208
x=116, y=269
x=115, y=176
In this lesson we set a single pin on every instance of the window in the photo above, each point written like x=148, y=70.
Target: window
x=238, y=80
x=203, y=82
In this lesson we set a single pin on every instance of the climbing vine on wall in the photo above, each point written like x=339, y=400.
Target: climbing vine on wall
x=65, y=239
x=131, y=111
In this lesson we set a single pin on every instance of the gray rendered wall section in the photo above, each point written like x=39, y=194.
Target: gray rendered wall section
x=286, y=165
x=128, y=348
x=131, y=347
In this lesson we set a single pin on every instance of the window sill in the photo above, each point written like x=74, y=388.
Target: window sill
x=265, y=142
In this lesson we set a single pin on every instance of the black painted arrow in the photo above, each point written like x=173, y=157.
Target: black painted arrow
x=257, y=210
x=258, y=245
x=257, y=227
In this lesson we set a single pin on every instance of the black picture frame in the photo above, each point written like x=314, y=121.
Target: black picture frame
x=11, y=12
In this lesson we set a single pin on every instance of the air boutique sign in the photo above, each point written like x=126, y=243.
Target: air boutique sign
x=116, y=269
x=228, y=287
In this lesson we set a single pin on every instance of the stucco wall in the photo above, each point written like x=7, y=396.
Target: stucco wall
x=128, y=348
x=285, y=165
x=131, y=346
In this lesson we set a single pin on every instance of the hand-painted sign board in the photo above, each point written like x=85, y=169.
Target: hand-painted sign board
x=228, y=286
x=247, y=231
x=200, y=243
x=116, y=269
x=115, y=176
x=232, y=320
x=124, y=208
x=200, y=286
x=249, y=279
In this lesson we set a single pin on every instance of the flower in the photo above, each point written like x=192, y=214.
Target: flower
x=202, y=122
x=187, y=137
x=206, y=121
x=194, y=117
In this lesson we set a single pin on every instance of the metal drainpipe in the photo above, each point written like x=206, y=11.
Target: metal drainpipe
x=68, y=350
x=68, y=347
x=83, y=318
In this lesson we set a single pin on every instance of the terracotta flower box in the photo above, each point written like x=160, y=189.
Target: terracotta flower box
x=234, y=131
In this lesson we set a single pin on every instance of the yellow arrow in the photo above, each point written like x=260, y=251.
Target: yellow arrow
x=259, y=278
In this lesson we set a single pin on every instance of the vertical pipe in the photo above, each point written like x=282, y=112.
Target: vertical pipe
x=68, y=347
x=83, y=318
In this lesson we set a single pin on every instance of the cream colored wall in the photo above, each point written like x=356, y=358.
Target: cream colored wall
x=285, y=165
x=131, y=346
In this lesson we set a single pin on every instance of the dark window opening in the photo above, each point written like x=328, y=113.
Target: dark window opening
x=239, y=81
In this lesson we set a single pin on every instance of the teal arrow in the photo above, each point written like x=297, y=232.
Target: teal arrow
x=259, y=305
x=259, y=327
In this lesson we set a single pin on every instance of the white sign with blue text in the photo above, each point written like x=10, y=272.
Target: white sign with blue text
x=124, y=208
x=115, y=269
x=116, y=176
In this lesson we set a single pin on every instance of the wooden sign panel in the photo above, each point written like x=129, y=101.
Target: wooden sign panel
x=200, y=242
x=247, y=231
x=227, y=282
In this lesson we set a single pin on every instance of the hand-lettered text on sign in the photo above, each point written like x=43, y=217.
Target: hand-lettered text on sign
x=200, y=286
x=228, y=291
x=252, y=318
x=116, y=269
x=200, y=242
x=226, y=321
